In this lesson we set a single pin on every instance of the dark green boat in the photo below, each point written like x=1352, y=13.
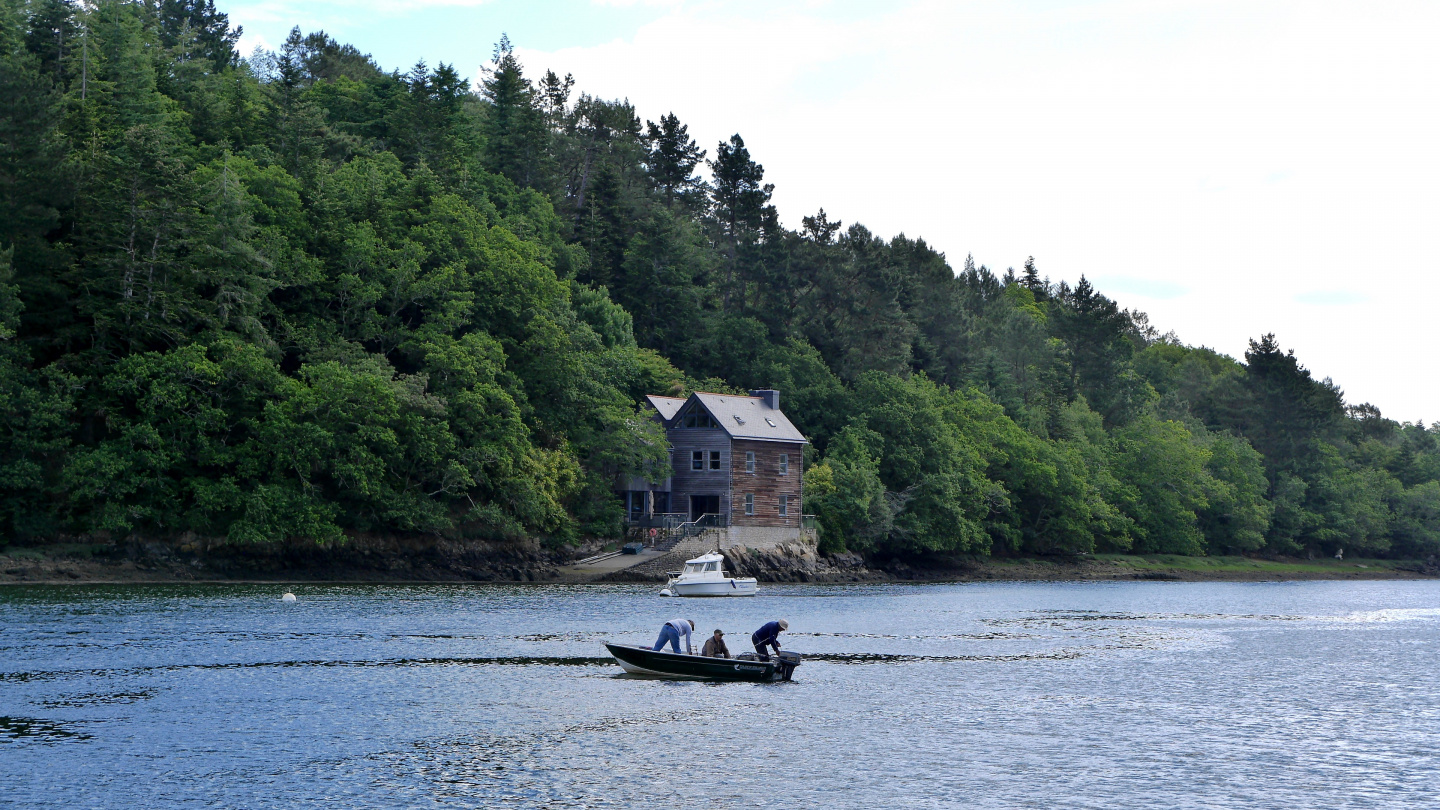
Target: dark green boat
x=746, y=667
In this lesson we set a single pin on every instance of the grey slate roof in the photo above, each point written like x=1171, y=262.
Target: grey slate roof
x=667, y=406
x=756, y=419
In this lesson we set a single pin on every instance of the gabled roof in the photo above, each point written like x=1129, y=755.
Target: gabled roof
x=667, y=406
x=749, y=418
x=756, y=419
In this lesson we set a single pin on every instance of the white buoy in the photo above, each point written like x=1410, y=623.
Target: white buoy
x=666, y=592
x=288, y=597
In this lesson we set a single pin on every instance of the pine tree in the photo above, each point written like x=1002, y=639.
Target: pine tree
x=1031, y=279
x=819, y=228
x=515, y=135
x=123, y=45
x=32, y=182
x=555, y=97
x=603, y=228
x=234, y=276
x=740, y=195
x=205, y=31
x=740, y=210
x=54, y=33
x=671, y=158
x=298, y=125
x=1287, y=408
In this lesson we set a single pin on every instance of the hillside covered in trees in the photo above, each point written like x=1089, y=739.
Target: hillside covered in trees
x=294, y=295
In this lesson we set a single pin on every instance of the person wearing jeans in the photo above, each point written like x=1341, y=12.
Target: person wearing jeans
x=671, y=633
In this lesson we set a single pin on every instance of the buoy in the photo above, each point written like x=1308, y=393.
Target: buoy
x=666, y=592
x=288, y=597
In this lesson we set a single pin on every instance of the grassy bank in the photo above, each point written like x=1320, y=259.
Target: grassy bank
x=1177, y=567
x=79, y=563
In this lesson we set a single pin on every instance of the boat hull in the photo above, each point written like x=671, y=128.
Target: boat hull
x=657, y=664
x=725, y=587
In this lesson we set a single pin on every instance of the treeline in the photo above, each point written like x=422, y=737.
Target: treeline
x=295, y=295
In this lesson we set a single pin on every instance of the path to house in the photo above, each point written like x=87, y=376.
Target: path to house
x=652, y=564
x=593, y=568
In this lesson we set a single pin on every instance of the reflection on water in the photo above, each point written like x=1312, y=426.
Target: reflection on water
x=31, y=729
x=981, y=695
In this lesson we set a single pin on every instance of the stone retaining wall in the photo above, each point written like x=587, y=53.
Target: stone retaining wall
x=764, y=537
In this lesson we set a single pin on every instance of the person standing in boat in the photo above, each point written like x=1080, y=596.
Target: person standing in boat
x=715, y=646
x=672, y=631
x=768, y=636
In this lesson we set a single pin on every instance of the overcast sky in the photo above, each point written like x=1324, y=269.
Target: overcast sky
x=1231, y=168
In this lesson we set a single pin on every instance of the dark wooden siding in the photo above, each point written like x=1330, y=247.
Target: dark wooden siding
x=687, y=482
x=766, y=483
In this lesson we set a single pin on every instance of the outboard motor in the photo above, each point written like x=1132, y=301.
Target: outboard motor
x=786, y=662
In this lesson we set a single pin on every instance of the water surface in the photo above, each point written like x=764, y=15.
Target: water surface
x=1257, y=695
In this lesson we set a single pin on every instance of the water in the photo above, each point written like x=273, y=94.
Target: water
x=1180, y=695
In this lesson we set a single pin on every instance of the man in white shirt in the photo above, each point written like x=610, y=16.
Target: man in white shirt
x=672, y=631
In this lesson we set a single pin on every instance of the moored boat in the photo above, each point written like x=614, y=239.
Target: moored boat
x=705, y=576
x=637, y=660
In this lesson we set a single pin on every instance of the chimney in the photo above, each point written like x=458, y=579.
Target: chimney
x=769, y=396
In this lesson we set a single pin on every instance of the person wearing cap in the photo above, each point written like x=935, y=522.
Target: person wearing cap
x=672, y=631
x=768, y=636
x=715, y=646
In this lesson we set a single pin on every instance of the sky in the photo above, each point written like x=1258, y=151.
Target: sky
x=1229, y=168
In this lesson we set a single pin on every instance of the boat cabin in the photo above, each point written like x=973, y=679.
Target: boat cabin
x=702, y=566
x=735, y=460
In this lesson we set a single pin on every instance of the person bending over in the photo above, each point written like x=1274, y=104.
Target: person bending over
x=768, y=636
x=672, y=631
x=715, y=646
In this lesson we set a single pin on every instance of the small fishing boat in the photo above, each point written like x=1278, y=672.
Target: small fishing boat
x=705, y=576
x=638, y=660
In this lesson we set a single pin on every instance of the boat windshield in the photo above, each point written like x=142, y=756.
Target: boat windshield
x=694, y=568
x=714, y=566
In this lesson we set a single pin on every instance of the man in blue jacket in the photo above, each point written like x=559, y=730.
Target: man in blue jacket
x=768, y=636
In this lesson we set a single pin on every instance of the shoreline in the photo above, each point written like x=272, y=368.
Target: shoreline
x=147, y=565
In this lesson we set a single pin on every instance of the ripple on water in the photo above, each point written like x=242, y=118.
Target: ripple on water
x=32, y=729
x=986, y=695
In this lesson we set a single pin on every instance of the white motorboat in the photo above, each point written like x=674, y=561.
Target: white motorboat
x=704, y=576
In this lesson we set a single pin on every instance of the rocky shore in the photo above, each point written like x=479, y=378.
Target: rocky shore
x=431, y=559
x=361, y=559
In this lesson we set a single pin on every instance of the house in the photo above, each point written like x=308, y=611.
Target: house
x=736, y=463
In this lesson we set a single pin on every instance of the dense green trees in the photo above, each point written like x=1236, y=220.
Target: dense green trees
x=300, y=296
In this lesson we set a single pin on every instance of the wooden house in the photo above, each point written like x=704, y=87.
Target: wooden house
x=736, y=458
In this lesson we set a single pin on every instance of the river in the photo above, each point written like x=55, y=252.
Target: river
x=1176, y=695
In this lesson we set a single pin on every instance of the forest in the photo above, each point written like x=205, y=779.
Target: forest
x=295, y=295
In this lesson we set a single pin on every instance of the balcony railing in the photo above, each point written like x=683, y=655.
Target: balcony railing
x=700, y=524
x=660, y=527
x=658, y=520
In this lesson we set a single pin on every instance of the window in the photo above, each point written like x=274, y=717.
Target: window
x=697, y=460
x=712, y=566
x=697, y=417
x=784, y=463
x=750, y=503
x=714, y=459
x=784, y=506
x=749, y=462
